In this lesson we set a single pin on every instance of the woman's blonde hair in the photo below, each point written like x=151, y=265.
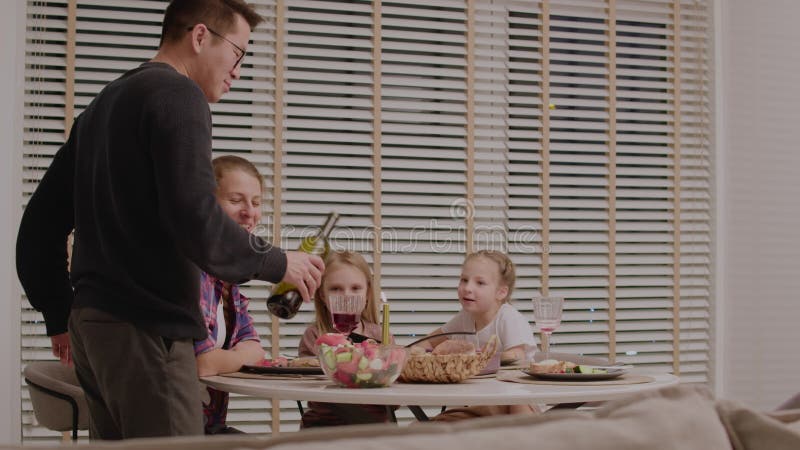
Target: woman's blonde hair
x=505, y=267
x=229, y=163
x=339, y=259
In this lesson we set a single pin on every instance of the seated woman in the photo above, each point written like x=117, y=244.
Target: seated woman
x=232, y=340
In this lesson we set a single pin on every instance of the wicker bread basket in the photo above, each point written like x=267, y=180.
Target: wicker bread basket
x=452, y=368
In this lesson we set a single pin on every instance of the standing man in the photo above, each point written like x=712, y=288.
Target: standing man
x=135, y=181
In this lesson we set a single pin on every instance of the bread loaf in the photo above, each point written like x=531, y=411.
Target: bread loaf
x=304, y=361
x=551, y=366
x=453, y=346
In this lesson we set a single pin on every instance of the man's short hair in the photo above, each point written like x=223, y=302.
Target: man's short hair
x=219, y=15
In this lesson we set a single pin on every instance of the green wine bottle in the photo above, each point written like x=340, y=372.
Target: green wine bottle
x=285, y=300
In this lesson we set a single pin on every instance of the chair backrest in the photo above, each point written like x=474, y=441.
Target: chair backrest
x=58, y=401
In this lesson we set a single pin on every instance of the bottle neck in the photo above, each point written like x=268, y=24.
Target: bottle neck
x=327, y=227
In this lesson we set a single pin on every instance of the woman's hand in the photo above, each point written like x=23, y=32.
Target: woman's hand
x=217, y=361
x=250, y=352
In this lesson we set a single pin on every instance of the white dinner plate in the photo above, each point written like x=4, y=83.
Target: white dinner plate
x=282, y=370
x=612, y=373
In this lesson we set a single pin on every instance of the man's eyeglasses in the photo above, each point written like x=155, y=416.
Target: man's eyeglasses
x=239, y=49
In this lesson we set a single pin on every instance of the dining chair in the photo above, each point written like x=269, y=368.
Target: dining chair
x=59, y=403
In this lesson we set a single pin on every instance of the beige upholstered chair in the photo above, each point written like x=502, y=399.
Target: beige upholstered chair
x=58, y=400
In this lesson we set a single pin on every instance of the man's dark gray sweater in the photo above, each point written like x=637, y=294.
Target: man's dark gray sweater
x=135, y=181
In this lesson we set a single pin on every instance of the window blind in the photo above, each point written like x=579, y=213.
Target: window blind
x=574, y=135
x=44, y=112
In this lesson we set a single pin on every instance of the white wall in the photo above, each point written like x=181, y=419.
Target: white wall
x=760, y=200
x=12, y=26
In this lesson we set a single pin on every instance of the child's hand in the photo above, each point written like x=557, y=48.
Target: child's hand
x=332, y=339
x=454, y=347
x=418, y=350
x=510, y=357
x=513, y=355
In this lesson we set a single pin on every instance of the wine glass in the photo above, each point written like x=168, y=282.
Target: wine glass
x=547, y=315
x=345, y=311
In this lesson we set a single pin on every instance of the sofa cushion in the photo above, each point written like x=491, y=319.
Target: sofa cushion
x=751, y=430
x=791, y=403
x=673, y=418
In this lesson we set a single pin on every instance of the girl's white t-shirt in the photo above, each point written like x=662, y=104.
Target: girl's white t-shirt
x=510, y=326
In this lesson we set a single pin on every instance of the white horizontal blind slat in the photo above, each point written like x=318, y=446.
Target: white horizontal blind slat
x=43, y=122
x=523, y=125
x=327, y=154
x=578, y=250
x=423, y=64
x=696, y=196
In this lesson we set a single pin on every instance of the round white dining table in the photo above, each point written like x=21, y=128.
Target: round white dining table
x=486, y=391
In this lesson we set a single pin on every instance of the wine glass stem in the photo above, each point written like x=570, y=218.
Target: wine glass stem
x=546, y=344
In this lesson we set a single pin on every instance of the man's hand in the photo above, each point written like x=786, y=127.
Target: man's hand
x=61, y=349
x=305, y=272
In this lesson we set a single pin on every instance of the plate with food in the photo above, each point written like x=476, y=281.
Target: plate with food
x=552, y=369
x=306, y=365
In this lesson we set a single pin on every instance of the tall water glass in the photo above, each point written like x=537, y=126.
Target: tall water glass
x=547, y=315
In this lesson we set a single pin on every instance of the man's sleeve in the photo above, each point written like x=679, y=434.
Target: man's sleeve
x=179, y=124
x=42, y=242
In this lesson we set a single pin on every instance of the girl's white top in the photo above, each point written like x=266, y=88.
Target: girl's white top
x=510, y=326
